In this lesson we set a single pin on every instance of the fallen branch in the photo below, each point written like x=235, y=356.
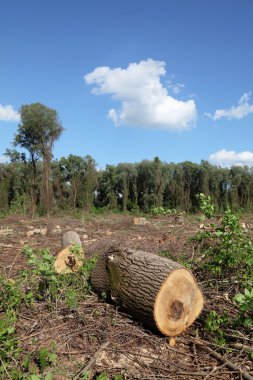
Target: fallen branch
x=241, y=346
x=91, y=361
x=227, y=363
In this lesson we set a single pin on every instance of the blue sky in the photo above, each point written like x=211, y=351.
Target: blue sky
x=133, y=79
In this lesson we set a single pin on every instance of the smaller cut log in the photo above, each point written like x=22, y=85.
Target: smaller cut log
x=157, y=291
x=68, y=261
x=69, y=238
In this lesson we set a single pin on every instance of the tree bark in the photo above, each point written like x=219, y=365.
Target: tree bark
x=157, y=291
x=47, y=200
x=70, y=237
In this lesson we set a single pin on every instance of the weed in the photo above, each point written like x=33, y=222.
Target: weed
x=45, y=358
x=49, y=286
x=162, y=211
x=206, y=206
x=166, y=254
x=228, y=254
x=102, y=376
x=245, y=302
x=39, y=283
x=228, y=249
x=214, y=323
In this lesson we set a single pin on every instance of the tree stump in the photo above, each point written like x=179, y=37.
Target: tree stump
x=157, y=291
x=66, y=260
x=69, y=238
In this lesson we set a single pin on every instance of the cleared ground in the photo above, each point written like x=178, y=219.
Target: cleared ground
x=120, y=345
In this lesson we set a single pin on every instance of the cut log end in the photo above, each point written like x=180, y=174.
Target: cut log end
x=67, y=259
x=67, y=262
x=157, y=291
x=178, y=303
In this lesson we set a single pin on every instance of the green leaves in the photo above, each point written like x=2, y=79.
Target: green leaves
x=45, y=358
x=162, y=211
x=206, y=205
x=102, y=376
x=214, y=324
x=228, y=253
x=245, y=302
x=228, y=248
x=39, y=283
x=49, y=376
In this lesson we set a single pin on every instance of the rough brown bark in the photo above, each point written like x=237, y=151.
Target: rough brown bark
x=70, y=237
x=157, y=291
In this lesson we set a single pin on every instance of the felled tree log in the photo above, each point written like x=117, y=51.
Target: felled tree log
x=157, y=291
x=66, y=260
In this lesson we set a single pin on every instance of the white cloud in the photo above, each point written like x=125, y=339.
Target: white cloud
x=3, y=159
x=227, y=158
x=242, y=109
x=145, y=102
x=175, y=87
x=7, y=113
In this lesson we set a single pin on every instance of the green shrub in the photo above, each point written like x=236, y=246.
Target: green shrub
x=245, y=302
x=162, y=211
x=227, y=248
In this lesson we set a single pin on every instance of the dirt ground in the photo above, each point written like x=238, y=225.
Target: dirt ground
x=98, y=334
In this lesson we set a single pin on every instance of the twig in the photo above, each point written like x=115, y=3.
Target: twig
x=241, y=346
x=40, y=332
x=91, y=361
x=13, y=262
x=227, y=363
x=4, y=367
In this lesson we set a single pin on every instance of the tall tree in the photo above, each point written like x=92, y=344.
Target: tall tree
x=158, y=182
x=90, y=181
x=4, y=188
x=38, y=130
x=73, y=171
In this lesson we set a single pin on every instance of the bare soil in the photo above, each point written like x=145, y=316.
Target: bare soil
x=99, y=335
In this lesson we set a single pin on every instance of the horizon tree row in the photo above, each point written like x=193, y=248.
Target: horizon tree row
x=75, y=183
x=32, y=182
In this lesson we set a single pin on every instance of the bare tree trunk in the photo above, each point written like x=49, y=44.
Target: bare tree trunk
x=34, y=175
x=46, y=196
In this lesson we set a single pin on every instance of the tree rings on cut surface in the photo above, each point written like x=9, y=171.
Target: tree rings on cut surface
x=178, y=303
x=67, y=260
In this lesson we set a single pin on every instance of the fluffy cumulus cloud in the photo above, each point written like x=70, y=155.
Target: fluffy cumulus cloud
x=7, y=113
x=145, y=102
x=227, y=158
x=242, y=109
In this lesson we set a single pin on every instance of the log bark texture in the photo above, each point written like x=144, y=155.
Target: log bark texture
x=69, y=238
x=157, y=291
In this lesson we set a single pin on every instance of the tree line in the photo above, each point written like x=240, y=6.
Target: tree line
x=32, y=182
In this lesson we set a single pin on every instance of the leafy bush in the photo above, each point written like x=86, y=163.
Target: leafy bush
x=206, y=205
x=20, y=205
x=245, y=302
x=162, y=211
x=227, y=248
x=214, y=324
x=48, y=285
x=39, y=283
x=227, y=252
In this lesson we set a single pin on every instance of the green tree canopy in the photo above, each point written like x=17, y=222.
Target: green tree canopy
x=38, y=130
